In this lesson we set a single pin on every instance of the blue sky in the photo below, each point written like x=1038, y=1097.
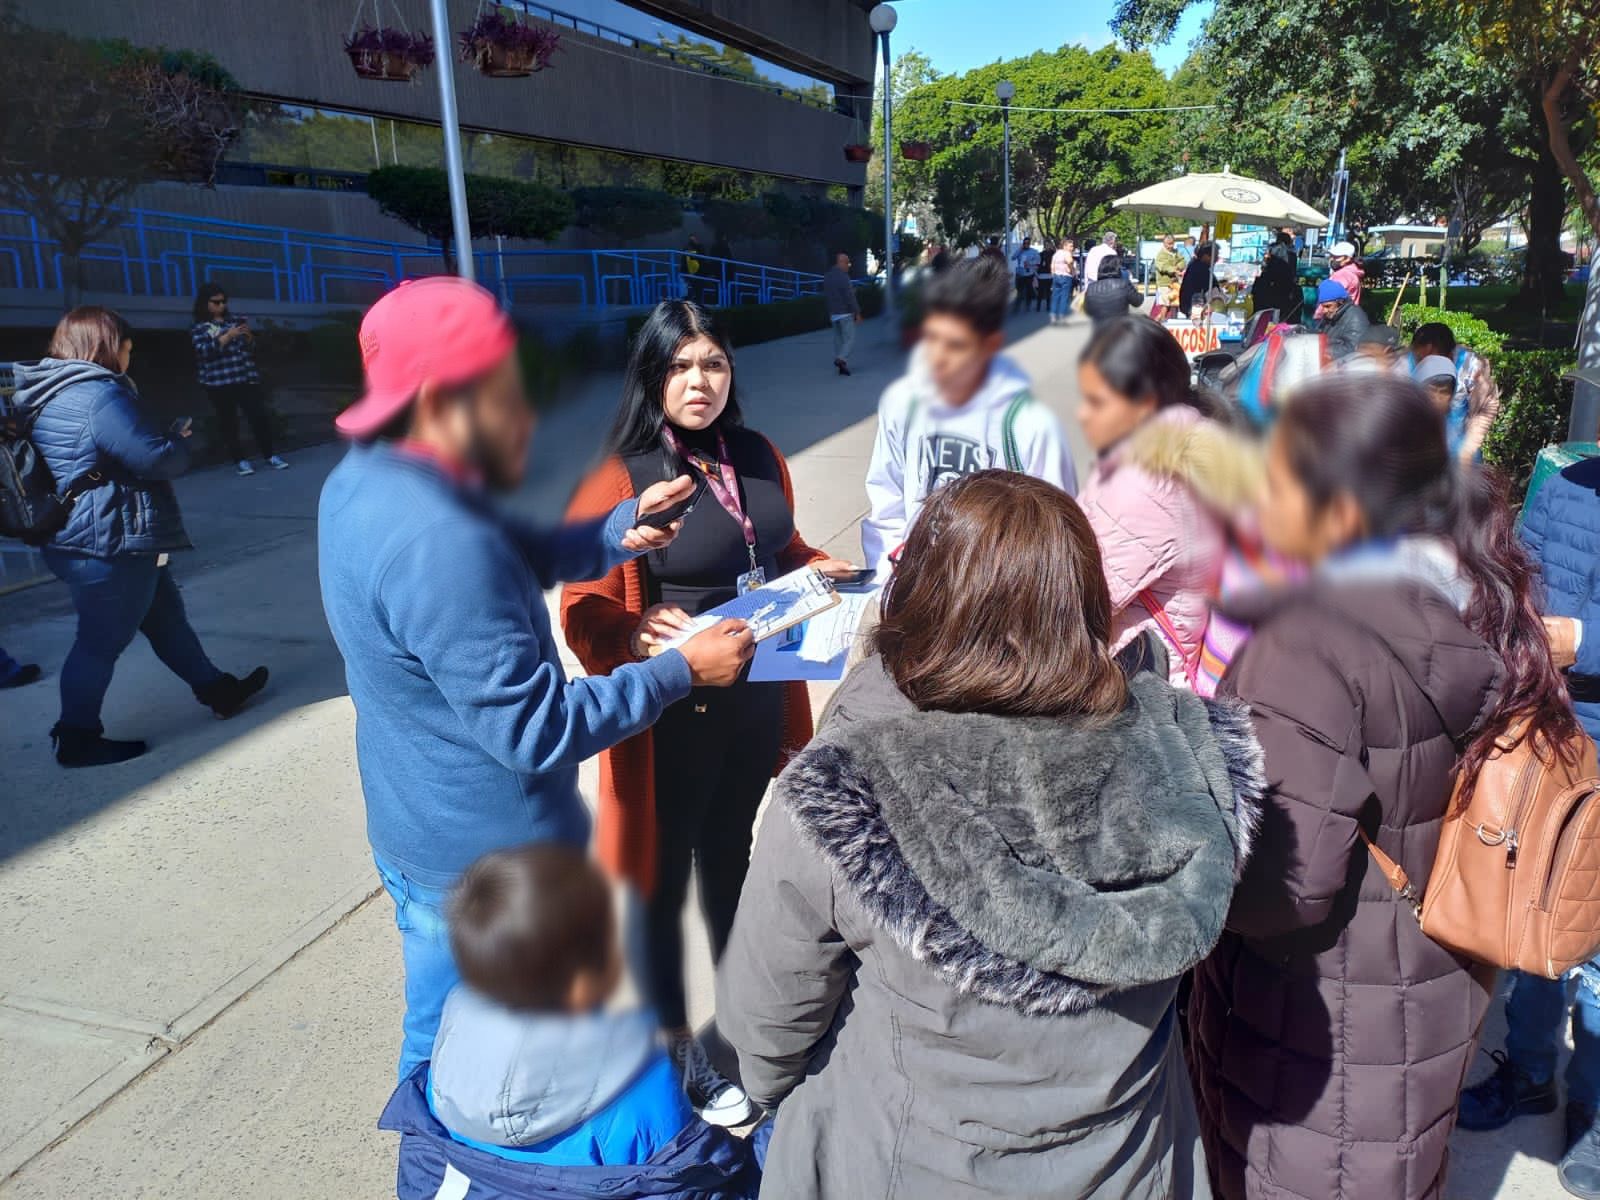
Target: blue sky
x=957, y=38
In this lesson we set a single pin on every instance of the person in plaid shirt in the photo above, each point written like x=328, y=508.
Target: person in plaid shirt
x=224, y=351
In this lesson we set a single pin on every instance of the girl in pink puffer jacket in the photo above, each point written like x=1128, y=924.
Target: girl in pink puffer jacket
x=1164, y=495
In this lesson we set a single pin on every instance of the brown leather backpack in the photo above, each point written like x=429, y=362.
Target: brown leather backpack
x=1516, y=879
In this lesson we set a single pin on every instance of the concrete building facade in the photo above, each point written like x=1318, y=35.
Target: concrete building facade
x=601, y=92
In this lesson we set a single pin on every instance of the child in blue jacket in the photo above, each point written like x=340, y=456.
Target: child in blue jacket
x=534, y=1092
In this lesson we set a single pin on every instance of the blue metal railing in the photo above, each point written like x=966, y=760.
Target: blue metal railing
x=168, y=254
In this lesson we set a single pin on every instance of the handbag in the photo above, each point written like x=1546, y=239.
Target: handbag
x=1516, y=878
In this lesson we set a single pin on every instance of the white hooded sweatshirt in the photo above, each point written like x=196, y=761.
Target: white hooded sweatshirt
x=924, y=443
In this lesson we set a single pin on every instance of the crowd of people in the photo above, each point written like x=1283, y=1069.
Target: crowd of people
x=1069, y=891
x=1075, y=888
x=1045, y=279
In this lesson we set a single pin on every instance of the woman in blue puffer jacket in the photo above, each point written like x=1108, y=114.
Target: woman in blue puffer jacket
x=1561, y=527
x=112, y=555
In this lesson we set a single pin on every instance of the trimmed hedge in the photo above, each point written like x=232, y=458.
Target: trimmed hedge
x=626, y=213
x=749, y=324
x=1535, y=404
x=514, y=208
x=810, y=230
x=1472, y=332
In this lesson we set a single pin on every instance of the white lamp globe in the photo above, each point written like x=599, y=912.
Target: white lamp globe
x=883, y=18
x=1005, y=89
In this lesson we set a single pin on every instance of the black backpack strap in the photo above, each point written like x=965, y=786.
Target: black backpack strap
x=87, y=482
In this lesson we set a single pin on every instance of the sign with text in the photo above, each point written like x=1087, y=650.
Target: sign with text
x=1196, y=339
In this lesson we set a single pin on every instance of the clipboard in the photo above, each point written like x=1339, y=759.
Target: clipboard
x=771, y=609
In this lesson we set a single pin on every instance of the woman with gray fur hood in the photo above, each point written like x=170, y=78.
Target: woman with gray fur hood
x=955, y=964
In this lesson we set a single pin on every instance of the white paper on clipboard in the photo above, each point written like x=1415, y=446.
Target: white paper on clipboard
x=822, y=650
x=772, y=608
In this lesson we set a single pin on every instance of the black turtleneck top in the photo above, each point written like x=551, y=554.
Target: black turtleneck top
x=701, y=568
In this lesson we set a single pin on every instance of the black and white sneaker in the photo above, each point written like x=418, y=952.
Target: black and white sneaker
x=718, y=1101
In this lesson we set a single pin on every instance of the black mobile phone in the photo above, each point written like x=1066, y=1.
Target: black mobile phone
x=676, y=512
x=856, y=578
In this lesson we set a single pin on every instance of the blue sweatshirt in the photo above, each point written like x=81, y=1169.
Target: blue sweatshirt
x=468, y=732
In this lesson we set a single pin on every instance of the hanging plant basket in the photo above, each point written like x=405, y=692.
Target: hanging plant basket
x=857, y=152
x=916, y=151
x=391, y=55
x=502, y=47
x=386, y=50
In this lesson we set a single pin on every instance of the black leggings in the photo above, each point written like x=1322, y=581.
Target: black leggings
x=714, y=754
x=227, y=400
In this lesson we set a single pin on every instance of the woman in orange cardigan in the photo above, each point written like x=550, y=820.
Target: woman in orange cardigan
x=686, y=792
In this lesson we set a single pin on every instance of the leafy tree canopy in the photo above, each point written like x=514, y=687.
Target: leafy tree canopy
x=84, y=122
x=1065, y=167
x=1431, y=128
x=1552, y=49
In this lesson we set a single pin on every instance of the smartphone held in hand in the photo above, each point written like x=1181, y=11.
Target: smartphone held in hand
x=676, y=512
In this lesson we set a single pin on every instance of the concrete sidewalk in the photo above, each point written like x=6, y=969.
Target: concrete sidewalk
x=199, y=982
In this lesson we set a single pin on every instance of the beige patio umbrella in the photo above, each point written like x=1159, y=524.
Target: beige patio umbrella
x=1202, y=196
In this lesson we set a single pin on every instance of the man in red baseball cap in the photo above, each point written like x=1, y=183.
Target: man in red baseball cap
x=468, y=732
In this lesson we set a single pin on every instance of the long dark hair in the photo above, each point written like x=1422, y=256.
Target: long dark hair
x=640, y=416
x=202, y=300
x=93, y=334
x=1379, y=439
x=1138, y=357
x=1000, y=605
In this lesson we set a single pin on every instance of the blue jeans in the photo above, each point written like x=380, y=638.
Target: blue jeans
x=419, y=914
x=1061, y=294
x=8, y=665
x=116, y=598
x=1535, y=1012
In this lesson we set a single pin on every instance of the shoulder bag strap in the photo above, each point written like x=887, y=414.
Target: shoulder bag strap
x=1191, y=667
x=86, y=482
x=1395, y=874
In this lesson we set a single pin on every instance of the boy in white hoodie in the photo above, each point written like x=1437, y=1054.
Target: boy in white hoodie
x=963, y=407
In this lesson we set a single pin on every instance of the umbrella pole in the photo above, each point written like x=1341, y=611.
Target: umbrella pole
x=1138, y=247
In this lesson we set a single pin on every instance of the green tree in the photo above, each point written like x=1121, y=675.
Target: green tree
x=420, y=197
x=1432, y=129
x=83, y=123
x=1066, y=167
x=1552, y=47
x=913, y=181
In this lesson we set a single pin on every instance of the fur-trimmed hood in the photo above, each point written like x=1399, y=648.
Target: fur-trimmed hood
x=1038, y=864
x=1224, y=470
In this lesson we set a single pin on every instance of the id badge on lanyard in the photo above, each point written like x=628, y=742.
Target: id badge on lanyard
x=724, y=485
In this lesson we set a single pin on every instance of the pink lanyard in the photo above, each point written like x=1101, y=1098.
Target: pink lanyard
x=722, y=482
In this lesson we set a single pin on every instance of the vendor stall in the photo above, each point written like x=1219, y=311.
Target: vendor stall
x=1218, y=199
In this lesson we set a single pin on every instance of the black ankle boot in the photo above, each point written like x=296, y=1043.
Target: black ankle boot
x=229, y=693
x=86, y=748
x=1507, y=1094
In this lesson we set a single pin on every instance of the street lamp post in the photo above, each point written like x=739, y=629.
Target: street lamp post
x=883, y=19
x=455, y=173
x=1005, y=89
